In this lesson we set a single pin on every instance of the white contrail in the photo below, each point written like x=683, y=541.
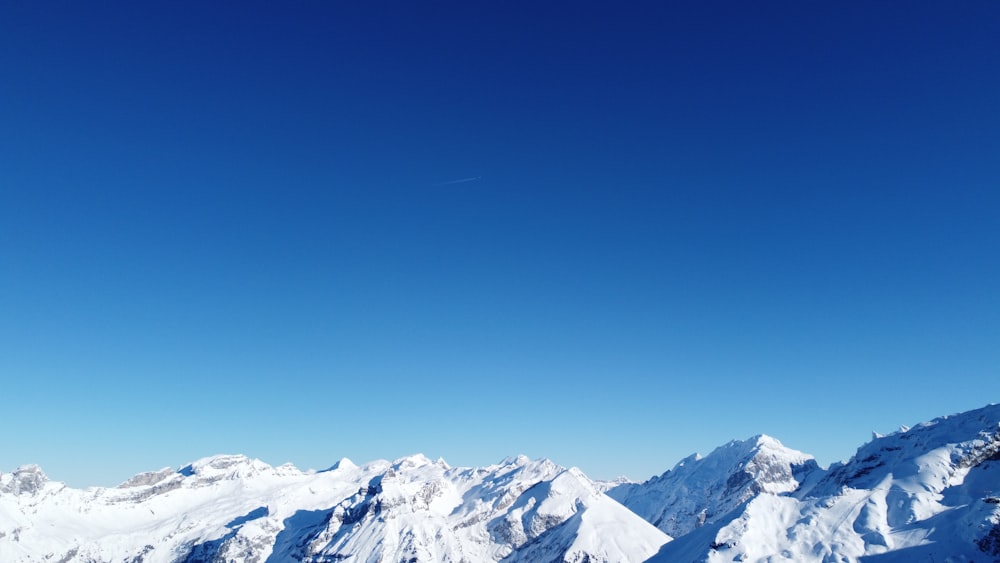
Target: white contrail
x=461, y=181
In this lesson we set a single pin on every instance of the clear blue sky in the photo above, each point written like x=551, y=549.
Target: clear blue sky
x=239, y=227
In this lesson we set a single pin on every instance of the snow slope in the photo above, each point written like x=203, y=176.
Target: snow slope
x=700, y=490
x=926, y=493
x=232, y=508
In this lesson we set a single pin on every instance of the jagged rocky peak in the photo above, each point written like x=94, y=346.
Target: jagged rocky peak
x=25, y=480
x=775, y=468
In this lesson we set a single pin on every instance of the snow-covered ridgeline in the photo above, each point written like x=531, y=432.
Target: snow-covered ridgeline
x=236, y=508
x=926, y=493
x=699, y=490
x=931, y=492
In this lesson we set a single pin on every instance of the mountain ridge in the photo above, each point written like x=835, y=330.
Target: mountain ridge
x=923, y=492
x=232, y=507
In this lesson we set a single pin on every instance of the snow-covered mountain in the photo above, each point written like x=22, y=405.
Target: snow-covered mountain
x=700, y=490
x=927, y=493
x=232, y=508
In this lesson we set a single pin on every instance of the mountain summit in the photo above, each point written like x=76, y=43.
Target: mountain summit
x=700, y=490
x=930, y=492
x=926, y=493
x=233, y=508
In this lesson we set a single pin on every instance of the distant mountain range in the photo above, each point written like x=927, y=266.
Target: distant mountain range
x=927, y=493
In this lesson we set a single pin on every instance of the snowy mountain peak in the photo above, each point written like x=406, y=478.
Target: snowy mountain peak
x=411, y=462
x=759, y=463
x=234, y=508
x=342, y=464
x=25, y=480
x=225, y=467
x=924, y=493
x=775, y=468
x=700, y=490
x=755, y=446
x=768, y=442
x=517, y=460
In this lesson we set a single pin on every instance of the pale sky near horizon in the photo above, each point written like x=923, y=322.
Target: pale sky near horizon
x=608, y=235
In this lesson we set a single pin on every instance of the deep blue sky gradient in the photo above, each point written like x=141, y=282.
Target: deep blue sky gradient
x=235, y=227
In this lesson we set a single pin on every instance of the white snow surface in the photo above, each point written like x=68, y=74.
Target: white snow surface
x=233, y=508
x=700, y=490
x=926, y=493
x=930, y=492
